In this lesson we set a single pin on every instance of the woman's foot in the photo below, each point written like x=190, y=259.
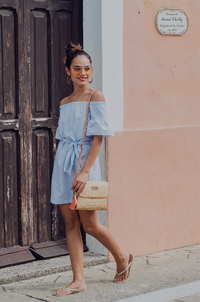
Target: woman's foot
x=72, y=288
x=122, y=266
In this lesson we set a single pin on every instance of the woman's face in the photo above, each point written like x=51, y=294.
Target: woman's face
x=80, y=70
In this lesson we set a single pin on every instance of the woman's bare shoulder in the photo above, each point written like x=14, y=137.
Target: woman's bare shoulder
x=64, y=101
x=98, y=96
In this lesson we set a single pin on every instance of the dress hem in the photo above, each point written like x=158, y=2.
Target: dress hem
x=61, y=203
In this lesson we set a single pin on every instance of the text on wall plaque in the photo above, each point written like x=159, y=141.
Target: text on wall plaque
x=172, y=22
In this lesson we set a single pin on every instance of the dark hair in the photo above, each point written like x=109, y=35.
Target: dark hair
x=72, y=51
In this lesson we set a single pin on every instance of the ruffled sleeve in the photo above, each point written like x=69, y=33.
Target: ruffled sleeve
x=98, y=123
x=58, y=135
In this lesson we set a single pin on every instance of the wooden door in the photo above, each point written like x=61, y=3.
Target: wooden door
x=33, y=34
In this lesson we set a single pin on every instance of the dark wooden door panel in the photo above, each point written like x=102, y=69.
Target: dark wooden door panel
x=9, y=125
x=41, y=192
x=9, y=195
x=40, y=64
x=63, y=27
x=8, y=51
x=58, y=22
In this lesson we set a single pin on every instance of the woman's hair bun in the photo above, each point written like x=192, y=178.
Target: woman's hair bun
x=72, y=47
x=72, y=51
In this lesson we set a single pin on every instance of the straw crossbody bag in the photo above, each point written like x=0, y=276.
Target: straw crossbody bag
x=95, y=193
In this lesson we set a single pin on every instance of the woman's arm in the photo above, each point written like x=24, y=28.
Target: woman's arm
x=79, y=182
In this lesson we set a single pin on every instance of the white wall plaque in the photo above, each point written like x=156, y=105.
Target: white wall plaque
x=172, y=22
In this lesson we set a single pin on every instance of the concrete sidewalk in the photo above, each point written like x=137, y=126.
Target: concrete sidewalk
x=170, y=276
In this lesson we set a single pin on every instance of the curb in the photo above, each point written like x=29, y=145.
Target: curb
x=46, y=267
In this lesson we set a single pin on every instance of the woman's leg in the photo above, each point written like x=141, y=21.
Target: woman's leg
x=75, y=247
x=91, y=226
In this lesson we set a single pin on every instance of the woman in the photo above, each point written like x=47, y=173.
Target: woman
x=64, y=183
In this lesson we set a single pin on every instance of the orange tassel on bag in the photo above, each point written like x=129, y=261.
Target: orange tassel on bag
x=74, y=203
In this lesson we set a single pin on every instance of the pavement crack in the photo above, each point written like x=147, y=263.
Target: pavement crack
x=147, y=260
x=168, y=254
x=186, y=272
x=103, y=270
x=38, y=299
x=56, y=279
x=196, y=270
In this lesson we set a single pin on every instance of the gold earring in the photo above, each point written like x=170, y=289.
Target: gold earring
x=68, y=80
x=91, y=80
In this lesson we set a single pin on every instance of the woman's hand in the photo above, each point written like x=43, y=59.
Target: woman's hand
x=79, y=182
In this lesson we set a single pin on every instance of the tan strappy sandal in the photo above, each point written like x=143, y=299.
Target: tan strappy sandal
x=73, y=291
x=128, y=268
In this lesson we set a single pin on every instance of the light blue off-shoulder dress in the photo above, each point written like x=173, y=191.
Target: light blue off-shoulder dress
x=70, y=133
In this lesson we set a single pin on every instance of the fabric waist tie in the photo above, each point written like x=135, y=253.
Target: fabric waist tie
x=72, y=149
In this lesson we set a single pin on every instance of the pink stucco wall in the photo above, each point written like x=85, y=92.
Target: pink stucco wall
x=161, y=73
x=154, y=163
